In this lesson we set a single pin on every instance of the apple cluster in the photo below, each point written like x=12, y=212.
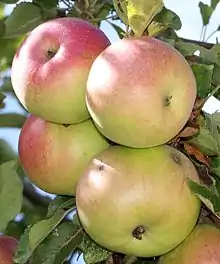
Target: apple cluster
x=101, y=117
x=49, y=74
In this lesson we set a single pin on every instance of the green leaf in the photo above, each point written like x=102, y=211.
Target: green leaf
x=15, y=229
x=24, y=18
x=164, y=20
x=188, y=49
x=103, y=12
x=205, y=142
x=216, y=50
x=61, y=202
x=2, y=97
x=203, y=75
x=138, y=14
x=11, y=193
x=2, y=27
x=208, y=139
x=33, y=212
x=2, y=10
x=213, y=123
x=121, y=9
x=6, y=152
x=207, y=195
x=216, y=73
x=215, y=165
x=12, y=120
x=216, y=79
x=6, y=86
x=23, y=251
x=206, y=12
x=119, y=30
x=9, y=1
x=59, y=244
x=92, y=253
x=43, y=228
x=36, y=234
x=47, y=3
x=7, y=50
x=214, y=3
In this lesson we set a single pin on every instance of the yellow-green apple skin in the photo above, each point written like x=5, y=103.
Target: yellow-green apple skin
x=54, y=156
x=137, y=201
x=8, y=247
x=50, y=68
x=140, y=92
x=200, y=247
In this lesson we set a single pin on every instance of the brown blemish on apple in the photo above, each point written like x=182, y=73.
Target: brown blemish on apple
x=101, y=167
x=176, y=158
x=138, y=232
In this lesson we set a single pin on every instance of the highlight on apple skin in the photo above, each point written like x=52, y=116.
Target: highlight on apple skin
x=8, y=247
x=140, y=92
x=54, y=156
x=50, y=68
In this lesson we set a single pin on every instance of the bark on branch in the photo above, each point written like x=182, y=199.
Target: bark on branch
x=199, y=43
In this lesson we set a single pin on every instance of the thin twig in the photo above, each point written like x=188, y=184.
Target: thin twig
x=210, y=95
x=214, y=32
x=201, y=34
x=204, y=33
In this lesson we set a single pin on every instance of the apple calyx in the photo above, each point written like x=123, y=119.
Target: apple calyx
x=50, y=53
x=167, y=100
x=138, y=232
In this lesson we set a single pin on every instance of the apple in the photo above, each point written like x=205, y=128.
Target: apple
x=200, y=247
x=8, y=247
x=137, y=201
x=54, y=156
x=140, y=92
x=50, y=68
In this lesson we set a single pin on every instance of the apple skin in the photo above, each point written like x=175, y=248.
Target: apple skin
x=54, y=88
x=125, y=192
x=8, y=247
x=200, y=247
x=140, y=92
x=54, y=156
